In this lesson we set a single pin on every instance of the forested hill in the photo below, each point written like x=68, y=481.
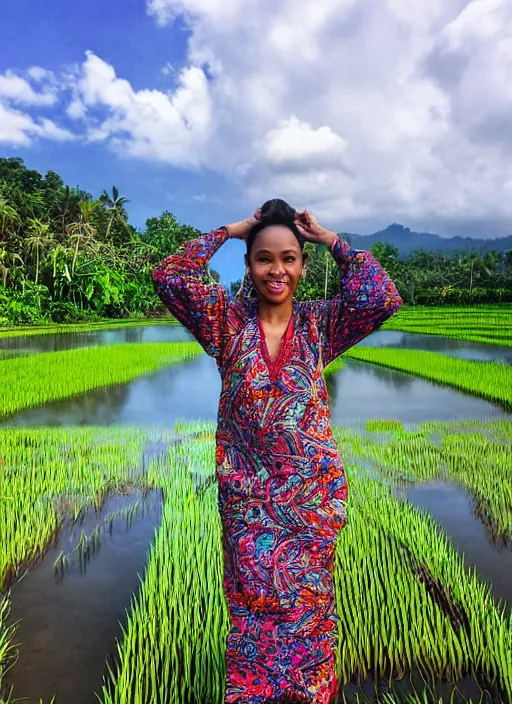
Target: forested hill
x=407, y=241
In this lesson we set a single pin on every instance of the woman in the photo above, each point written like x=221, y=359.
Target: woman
x=281, y=482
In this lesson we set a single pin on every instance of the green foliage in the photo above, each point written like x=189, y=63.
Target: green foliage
x=91, y=262
x=164, y=235
x=65, y=257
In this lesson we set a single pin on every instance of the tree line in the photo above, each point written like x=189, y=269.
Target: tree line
x=67, y=257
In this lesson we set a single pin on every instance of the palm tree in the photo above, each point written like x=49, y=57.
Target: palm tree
x=6, y=258
x=60, y=255
x=8, y=215
x=114, y=204
x=40, y=238
x=472, y=263
x=83, y=231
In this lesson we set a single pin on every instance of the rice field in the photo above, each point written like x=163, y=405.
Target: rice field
x=407, y=602
x=107, y=324
x=417, y=624
x=491, y=324
x=489, y=380
x=38, y=379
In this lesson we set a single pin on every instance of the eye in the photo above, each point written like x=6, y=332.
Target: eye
x=290, y=259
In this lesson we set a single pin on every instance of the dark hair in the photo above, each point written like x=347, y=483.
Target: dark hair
x=275, y=212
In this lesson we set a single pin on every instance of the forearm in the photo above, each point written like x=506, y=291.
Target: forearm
x=199, y=306
x=192, y=256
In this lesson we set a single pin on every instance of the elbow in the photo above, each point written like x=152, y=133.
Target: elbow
x=163, y=269
x=390, y=296
x=392, y=303
x=166, y=275
x=396, y=302
x=167, y=284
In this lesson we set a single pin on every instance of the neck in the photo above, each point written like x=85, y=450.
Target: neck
x=275, y=314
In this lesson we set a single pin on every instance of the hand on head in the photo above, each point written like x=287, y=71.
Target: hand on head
x=311, y=230
x=305, y=222
x=239, y=230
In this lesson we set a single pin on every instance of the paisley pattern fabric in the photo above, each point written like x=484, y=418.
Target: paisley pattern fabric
x=281, y=483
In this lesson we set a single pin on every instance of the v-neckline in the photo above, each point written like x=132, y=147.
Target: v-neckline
x=274, y=366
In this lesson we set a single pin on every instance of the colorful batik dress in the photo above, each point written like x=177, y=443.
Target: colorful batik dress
x=281, y=482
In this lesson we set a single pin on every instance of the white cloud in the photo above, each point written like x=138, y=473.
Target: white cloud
x=37, y=73
x=17, y=89
x=20, y=102
x=15, y=127
x=18, y=128
x=76, y=109
x=361, y=110
x=364, y=111
x=294, y=144
x=147, y=123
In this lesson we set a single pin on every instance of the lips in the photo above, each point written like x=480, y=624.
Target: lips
x=276, y=286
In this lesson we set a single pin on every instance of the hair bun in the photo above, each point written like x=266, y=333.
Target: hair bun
x=277, y=212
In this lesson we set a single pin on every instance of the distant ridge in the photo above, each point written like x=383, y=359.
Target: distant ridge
x=406, y=241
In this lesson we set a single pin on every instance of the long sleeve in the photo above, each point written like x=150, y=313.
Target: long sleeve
x=199, y=306
x=368, y=297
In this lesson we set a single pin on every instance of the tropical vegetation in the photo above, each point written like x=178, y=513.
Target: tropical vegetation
x=66, y=256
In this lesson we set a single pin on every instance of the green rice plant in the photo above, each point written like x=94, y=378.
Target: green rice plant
x=43, y=378
x=489, y=380
x=405, y=597
x=407, y=600
x=487, y=324
x=7, y=649
x=474, y=454
x=385, y=425
x=334, y=366
x=484, y=468
x=173, y=645
x=50, y=475
x=106, y=324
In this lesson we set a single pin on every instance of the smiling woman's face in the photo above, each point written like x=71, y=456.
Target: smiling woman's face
x=276, y=263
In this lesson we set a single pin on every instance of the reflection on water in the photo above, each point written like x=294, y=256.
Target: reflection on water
x=450, y=506
x=362, y=391
x=463, y=349
x=176, y=333
x=68, y=627
x=191, y=390
x=54, y=342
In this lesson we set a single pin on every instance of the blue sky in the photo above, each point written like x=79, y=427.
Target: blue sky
x=365, y=112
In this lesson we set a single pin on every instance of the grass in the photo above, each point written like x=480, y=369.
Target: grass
x=43, y=378
x=489, y=380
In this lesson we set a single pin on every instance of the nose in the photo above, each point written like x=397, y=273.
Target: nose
x=276, y=269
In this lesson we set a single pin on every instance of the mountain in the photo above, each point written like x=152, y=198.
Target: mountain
x=406, y=241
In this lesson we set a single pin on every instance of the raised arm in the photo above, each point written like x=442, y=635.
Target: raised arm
x=367, y=297
x=199, y=306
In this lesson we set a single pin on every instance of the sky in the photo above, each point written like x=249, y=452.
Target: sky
x=366, y=112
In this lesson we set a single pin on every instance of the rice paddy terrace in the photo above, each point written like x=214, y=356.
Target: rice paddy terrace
x=110, y=539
